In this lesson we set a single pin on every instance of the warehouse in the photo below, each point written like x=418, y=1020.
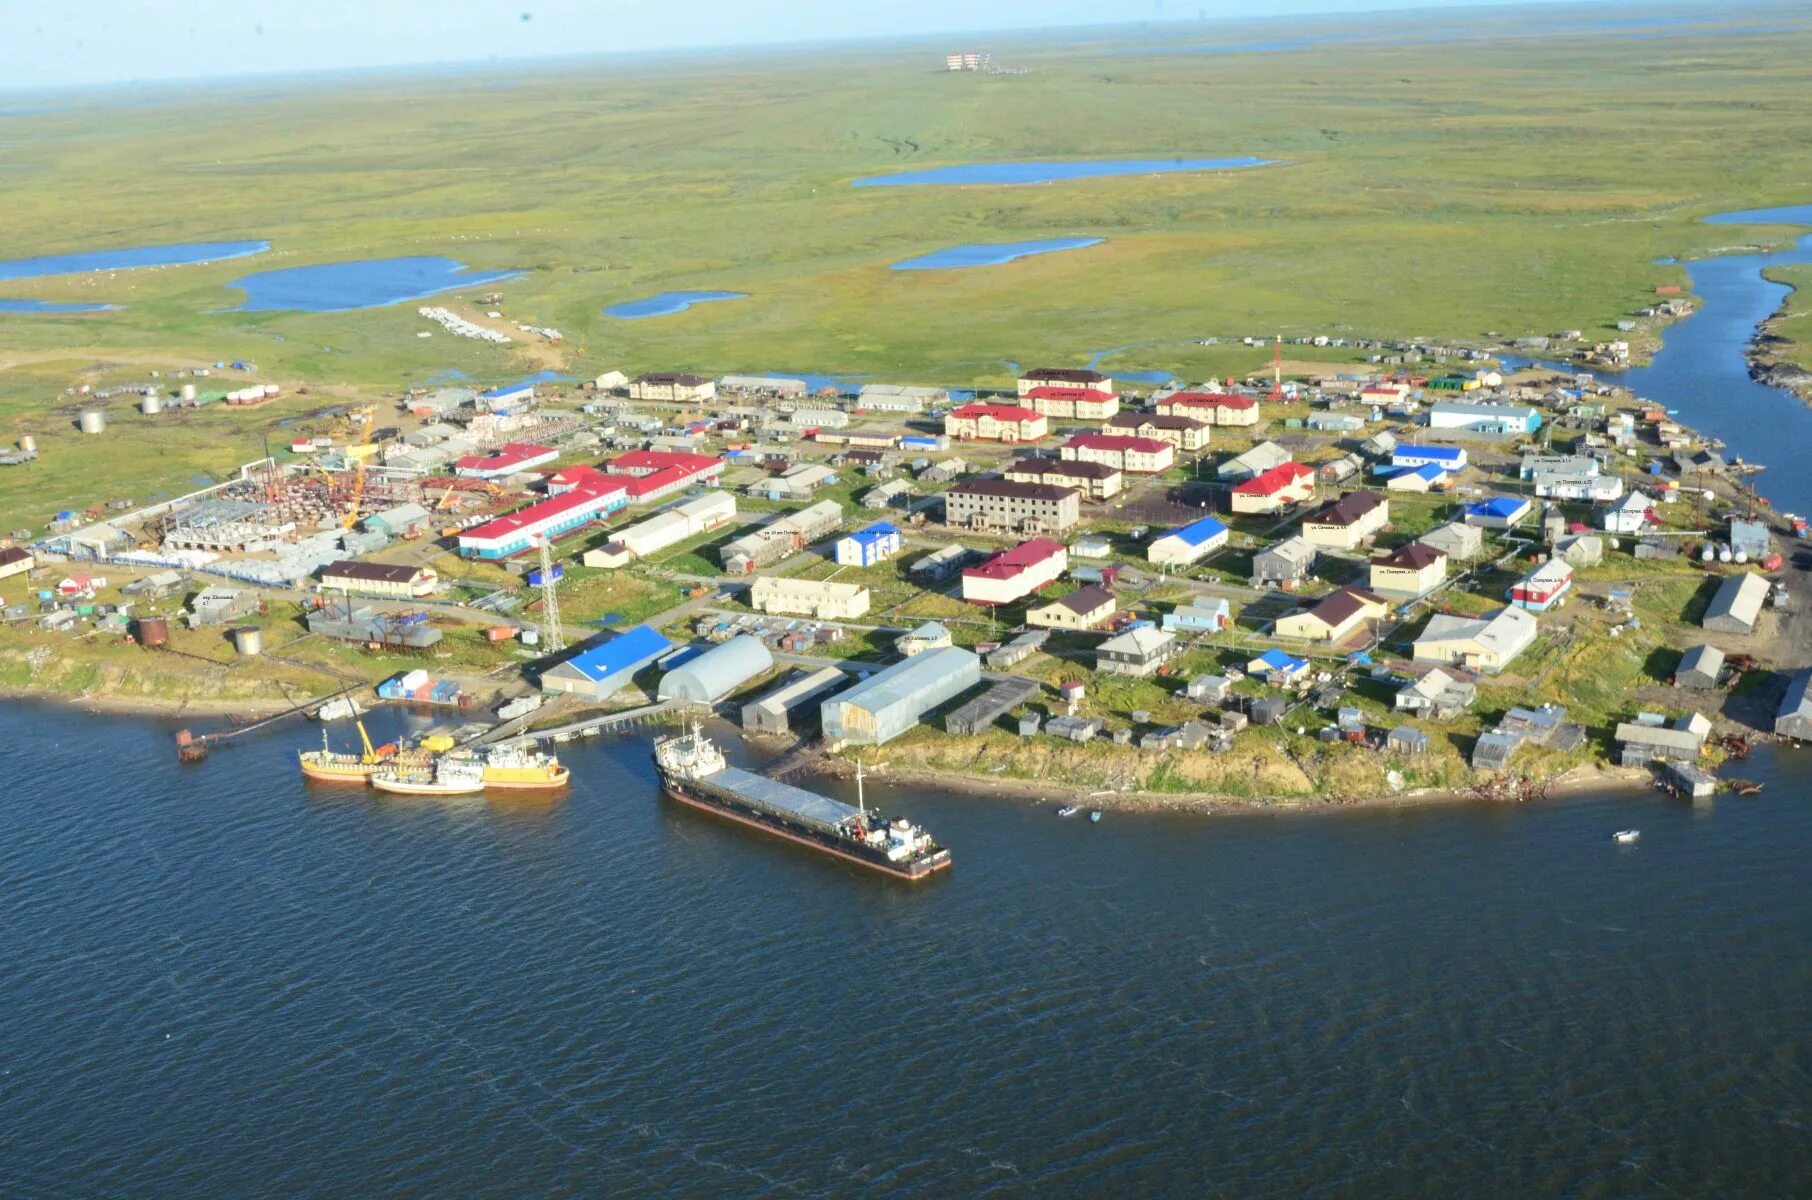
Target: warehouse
x=717, y=672
x=1134, y=455
x=1186, y=434
x=780, y=710
x=1737, y=606
x=1700, y=668
x=764, y=385
x=1348, y=521
x=1072, y=403
x=995, y=423
x=1261, y=458
x=1274, y=489
x=512, y=534
x=1216, y=408
x=889, y=703
x=665, y=528
x=777, y=539
x=900, y=398
x=398, y=521
x=820, y=599
x=599, y=671
x=672, y=387
x=1487, y=420
x=1016, y=573
x=392, y=580
x=1097, y=481
x=1000, y=504
x=505, y=460
x=1087, y=607
x=979, y=715
x=866, y=547
x=1192, y=542
x=1794, y=717
x=794, y=483
x=657, y=473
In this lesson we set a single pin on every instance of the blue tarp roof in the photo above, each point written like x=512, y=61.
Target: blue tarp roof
x=1277, y=660
x=1199, y=531
x=1498, y=506
x=625, y=652
x=508, y=389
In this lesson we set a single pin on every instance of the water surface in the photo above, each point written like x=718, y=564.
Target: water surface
x=1053, y=172
x=127, y=258
x=666, y=304
x=51, y=306
x=220, y=982
x=367, y=283
x=990, y=254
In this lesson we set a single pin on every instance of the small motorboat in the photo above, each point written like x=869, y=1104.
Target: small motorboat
x=1069, y=810
x=1095, y=815
x=1625, y=836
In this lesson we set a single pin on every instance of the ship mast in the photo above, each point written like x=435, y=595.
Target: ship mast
x=861, y=804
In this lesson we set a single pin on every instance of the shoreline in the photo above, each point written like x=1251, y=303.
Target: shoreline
x=1576, y=781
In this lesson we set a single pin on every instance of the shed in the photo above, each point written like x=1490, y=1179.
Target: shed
x=980, y=714
x=717, y=672
x=1268, y=711
x=1700, y=668
x=1406, y=739
x=1794, y=718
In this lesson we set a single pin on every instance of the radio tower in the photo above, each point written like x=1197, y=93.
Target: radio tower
x=1277, y=369
x=551, y=636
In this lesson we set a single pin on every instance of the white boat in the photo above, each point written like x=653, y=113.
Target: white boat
x=339, y=709
x=1069, y=810
x=451, y=775
x=1626, y=836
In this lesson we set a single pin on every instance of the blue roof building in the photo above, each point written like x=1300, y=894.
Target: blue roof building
x=1182, y=546
x=1499, y=512
x=599, y=671
x=1448, y=458
x=1277, y=664
x=866, y=547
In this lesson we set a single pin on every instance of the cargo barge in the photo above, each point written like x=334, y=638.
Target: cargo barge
x=693, y=771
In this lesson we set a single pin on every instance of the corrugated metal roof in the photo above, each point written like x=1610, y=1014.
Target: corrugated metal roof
x=628, y=650
x=1196, y=532
x=904, y=679
x=717, y=672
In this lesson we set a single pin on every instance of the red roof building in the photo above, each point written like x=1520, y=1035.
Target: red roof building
x=1216, y=408
x=505, y=460
x=1016, y=573
x=996, y=423
x=1269, y=491
x=1075, y=403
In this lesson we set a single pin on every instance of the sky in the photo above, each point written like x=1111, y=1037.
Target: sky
x=52, y=43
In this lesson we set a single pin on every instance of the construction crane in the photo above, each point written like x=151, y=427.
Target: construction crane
x=551, y=636
x=358, y=470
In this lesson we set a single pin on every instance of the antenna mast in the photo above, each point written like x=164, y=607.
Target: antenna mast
x=551, y=635
x=1277, y=369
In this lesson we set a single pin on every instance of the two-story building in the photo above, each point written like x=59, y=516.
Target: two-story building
x=995, y=423
x=1274, y=490
x=1187, y=434
x=1072, y=403
x=1408, y=571
x=1016, y=573
x=1216, y=408
x=1348, y=521
x=1097, y=481
x=1133, y=455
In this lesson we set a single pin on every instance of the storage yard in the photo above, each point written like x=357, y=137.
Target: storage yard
x=551, y=516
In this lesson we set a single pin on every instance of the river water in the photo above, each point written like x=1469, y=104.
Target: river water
x=217, y=981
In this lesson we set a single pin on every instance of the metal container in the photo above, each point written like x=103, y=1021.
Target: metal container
x=151, y=405
x=153, y=632
x=28, y=444
x=93, y=421
x=248, y=639
x=186, y=393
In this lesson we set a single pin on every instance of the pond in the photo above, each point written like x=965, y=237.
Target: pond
x=366, y=283
x=81, y=262
x=666, y=304
x=51, y=306
x=990, y=254
x=1053, y=172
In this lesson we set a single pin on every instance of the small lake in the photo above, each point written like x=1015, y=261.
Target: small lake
x=1053, y=172
x=990, y=254
x=666, y=304
x=52, y=306
x=367, y=283
x=182, y=254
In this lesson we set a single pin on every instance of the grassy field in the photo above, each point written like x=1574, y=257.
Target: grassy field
x=1444, y=189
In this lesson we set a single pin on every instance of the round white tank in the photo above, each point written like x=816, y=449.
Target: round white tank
x=151, y=405
x=93, y=421
x=248, y=639
x=29, y=444
x=270, y=389
x=186, y=393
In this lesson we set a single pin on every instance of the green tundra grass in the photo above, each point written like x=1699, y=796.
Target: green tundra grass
x=1520, y=175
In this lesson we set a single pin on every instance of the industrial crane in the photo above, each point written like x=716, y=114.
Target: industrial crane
x=358, y=470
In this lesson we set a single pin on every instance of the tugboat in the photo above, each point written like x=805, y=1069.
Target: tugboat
x=693, y=771
x=450, y=775
x=522, y=768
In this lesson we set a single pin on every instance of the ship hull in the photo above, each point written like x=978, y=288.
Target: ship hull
x=536, y=782
x=695, y=797
x=401, y=788
x=336, y=774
